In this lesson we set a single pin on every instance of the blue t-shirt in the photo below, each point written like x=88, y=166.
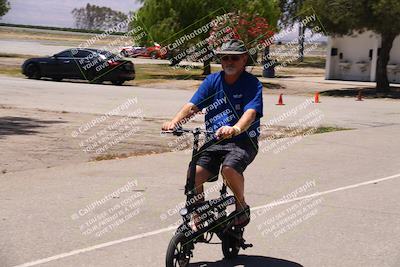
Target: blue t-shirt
x=224, y=104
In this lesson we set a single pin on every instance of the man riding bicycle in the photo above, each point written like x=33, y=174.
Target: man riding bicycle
x=232, y=99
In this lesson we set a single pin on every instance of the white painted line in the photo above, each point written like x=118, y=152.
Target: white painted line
x=156, y=232
x=277, y=203
x=102, y=245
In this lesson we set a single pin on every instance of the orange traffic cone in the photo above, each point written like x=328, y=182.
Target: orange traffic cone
x=359, y=96
x=280, y=100
x=316, y=98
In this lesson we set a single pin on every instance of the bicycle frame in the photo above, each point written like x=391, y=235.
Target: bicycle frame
x=212, y=214
x=215, y=206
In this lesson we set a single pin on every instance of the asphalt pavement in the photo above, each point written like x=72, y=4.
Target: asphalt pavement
x=345, y=210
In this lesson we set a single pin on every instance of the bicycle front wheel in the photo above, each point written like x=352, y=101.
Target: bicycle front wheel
x=178, y=252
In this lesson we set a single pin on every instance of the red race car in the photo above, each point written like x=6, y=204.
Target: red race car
x=138, y=51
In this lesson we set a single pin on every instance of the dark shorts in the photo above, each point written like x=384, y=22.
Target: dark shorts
x=236, y=154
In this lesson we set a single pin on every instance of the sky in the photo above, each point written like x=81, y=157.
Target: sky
x=57, y=13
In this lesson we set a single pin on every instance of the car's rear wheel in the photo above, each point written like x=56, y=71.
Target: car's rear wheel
x=117, y=82
x=154, y=55
x=93, y=76
x=33, y=71
x=230, y=246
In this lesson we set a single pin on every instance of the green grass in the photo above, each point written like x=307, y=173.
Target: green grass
x=111, y=156
x=309, y=62
x=108, y=157
x=11, y=71
x=144, y=72
x=165, y=72
x=279, y=132
x=57, y=28
x=12, y=55
x=367, y=92
x=327, y=129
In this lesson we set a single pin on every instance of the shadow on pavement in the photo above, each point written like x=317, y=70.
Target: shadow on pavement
x=248, y=261
x=273, y=85
x=365, y=92
x=22, y=126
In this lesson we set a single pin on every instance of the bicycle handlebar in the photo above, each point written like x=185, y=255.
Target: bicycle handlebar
x=180, y=131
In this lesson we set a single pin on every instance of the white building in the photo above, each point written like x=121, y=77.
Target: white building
x=355, y=58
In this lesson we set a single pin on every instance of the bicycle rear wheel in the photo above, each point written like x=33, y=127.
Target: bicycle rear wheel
x=230, y=246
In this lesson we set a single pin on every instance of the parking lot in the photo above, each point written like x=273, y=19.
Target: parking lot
x=348, y=215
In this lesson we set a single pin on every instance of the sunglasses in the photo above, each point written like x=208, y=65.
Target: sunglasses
x=230, y=57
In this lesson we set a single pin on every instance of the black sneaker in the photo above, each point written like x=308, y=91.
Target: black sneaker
x=241, y=218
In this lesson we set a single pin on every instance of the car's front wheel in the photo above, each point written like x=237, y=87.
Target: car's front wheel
x=96, y=81
x=117, y=82
x=33, y=71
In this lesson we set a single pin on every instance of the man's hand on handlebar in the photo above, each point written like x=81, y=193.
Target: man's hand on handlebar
x=225, y=132
x=186, y=111
x=169, y=125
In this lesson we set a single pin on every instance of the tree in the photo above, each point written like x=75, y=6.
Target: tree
x=269, y=10
x=291, y=15
x=342, y=17
x=4, y=7
x=159, y=20
x=94, y=17
x=250, y=28
x=168, y=20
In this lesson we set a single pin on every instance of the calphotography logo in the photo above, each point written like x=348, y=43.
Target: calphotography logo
x=104, y=132
x=292, y=216
x=105, y=215
x=161, y=133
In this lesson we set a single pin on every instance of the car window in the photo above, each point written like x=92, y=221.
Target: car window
x=108, y=55
x=66, y=53
x=82, y=54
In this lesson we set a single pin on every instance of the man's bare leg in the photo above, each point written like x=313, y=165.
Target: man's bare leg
x=235, y=181
x=202, y=175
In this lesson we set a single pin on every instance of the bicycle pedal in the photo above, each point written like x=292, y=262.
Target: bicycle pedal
x=244, y=246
